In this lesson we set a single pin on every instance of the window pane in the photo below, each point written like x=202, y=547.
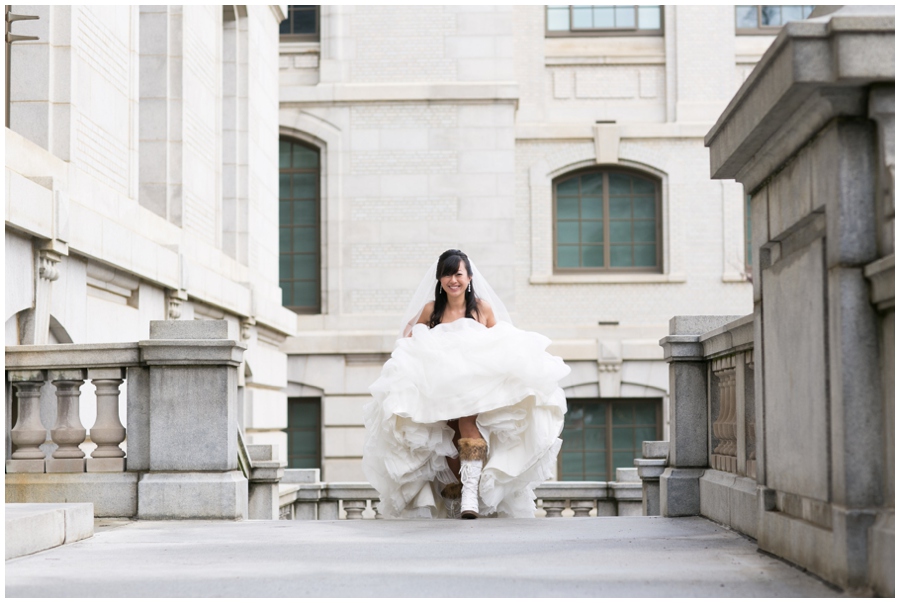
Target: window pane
x=620, y=208
x=571, y=439
x=581, y=17
x=284, y=185
x=557, y=18
x=625, y=16
x=592, y=208
x=648, y=17
x=591, y=232
x=284, y=148
x=305, y=294
x=604, y=17
x=302, y=414
x=642, y=186
x=567, y=187
x=567, y=208
x=285, y=293
x=304, y=239
x=645, y=256
x=572, y=463
x=643, y=434
x=592, y=256
x=791, y=13
x=595, y=462
x=620, y=256
x=305, y=21
x=644, y=413
x=304, y=186
x=567, y=232
x=305, y=267
x=592, y=185
x=305, y=157
x=644, y=231
x=746, y=17
x=619, y=184
x=644, y=207
x=623, y=413
x=284, y=212
x=624, y=458
x=771, y=15
x=284, y=239
x=595, y=439
x=619, y=231
x=567, y=257
x=595, y=414
x=305, y=212
x=284, y=266
x=807, y=10
x=285, y=28
x=622, y=437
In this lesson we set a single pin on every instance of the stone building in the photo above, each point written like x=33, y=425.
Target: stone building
x=560, y=147
x=141, y=181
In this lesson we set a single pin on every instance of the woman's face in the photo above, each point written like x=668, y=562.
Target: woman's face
x=455, y=284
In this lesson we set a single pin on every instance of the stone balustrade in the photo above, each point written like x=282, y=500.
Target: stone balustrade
x=181, y=399
x=303, y=496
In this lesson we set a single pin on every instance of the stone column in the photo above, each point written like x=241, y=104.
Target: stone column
x=689, y=413
x=29, y=433
x=108, y=431
x=192, y=456
x=68, y=432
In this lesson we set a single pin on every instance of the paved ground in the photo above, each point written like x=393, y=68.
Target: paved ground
x=585, y=557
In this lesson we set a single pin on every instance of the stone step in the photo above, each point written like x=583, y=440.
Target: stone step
x=33, y=527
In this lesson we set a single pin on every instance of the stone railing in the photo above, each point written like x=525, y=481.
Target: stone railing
x=728, y=351
x=303, y=496
x=181, y=398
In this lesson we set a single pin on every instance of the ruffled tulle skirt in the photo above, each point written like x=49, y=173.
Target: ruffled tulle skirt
x=504, y=376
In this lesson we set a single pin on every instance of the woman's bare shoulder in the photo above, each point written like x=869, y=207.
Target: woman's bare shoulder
x=486, y=313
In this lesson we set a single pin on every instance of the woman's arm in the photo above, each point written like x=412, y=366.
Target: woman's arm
x=425, y=316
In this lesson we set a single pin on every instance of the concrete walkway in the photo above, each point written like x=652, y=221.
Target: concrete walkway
x=585, y=557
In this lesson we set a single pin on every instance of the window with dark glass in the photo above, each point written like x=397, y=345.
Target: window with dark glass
x=304, y=433
x=626, y=19
x=301, y=24
x=765, y=18
x=601, y=435
x=298, y=218
x=606, y=220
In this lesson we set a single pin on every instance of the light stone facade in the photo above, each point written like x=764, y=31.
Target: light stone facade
x=141, y=184
x=445, y=126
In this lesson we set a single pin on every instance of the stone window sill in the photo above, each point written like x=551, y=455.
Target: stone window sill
x=580, y=279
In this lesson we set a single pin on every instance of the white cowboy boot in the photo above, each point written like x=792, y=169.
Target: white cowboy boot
x=472, y=454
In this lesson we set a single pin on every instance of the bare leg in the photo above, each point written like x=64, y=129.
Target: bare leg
x=468, y=428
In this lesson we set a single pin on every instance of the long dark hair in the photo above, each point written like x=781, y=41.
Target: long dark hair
x=447, y=265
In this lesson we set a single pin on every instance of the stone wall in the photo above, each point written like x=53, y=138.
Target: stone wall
x=807, y=136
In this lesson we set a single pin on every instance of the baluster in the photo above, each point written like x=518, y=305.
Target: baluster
x=68, y=432
x=378, y=514
x=554, y=508
x=29, y=433
x=717, y=424
x=354, y=508
x=107, y=431
x=582, y=508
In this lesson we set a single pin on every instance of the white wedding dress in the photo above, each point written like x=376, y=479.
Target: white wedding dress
x=502, y=374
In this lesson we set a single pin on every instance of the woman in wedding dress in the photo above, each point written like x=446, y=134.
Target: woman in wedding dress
x=466, y=415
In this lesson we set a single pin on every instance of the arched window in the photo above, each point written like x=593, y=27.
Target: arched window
x=298, y=218
x=606, y=220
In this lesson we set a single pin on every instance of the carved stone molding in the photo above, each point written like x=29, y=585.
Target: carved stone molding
x=49, y=260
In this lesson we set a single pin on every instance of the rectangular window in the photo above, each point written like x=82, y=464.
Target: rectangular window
x=298, y=219
x=601, y=435
x=301, y=24
x=604, y=20
x=304, y=433
x=767, y=19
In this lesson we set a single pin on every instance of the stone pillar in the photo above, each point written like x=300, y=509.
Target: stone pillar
x=192, y=456
x=689, y=413
x=650, y=468
x=29, y=432
x=108, y=431
x=265, y=474
x=68, y=432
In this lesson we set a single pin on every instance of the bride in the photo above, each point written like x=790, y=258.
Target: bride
x=466, y=415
